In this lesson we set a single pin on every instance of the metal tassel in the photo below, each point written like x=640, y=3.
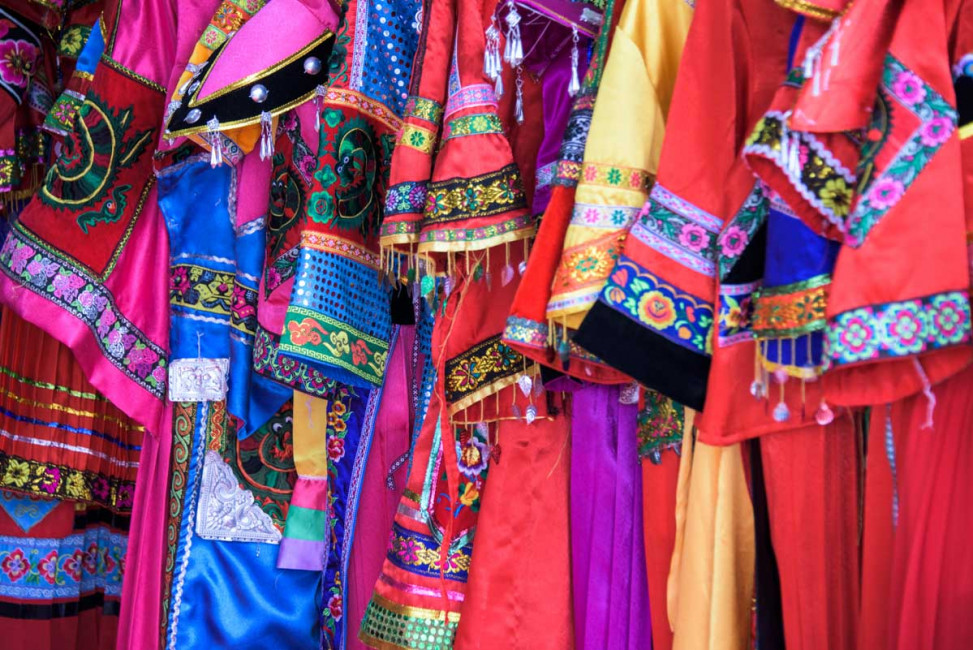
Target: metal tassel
x=513, y=51
x=574, y=86
x=266, y=136
x=216, y=152
x=318, y=97
x=519, y=104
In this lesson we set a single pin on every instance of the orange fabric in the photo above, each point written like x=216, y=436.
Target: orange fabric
x=659, y=483
x=519, y=591
x=811, y=477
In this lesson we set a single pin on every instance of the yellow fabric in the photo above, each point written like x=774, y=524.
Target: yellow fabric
x=622, y=151
x=711, y=580
x=310, y=435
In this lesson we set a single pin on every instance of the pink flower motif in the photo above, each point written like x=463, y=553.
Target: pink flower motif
x=909, y=88
x=18, y=260
x=159, y=375
x=936, y=131
x=51, y=480
x=17, y=60
x=408, y=550
x=15, y=565
x=47, y=567
x=590, y=173
x=72, y=565
x=694, y=237
x=733, y=241
x=635, y=180
x=334, y=606
x=885, y=193
x=66, y=286
x=591, y=215
x=336, y=449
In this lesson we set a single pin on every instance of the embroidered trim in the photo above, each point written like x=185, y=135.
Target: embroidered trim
x=963, y=67
x=937, y=121
x=131, y=74
x=475, y=124
x=733, y=240
x=479, y=367
x=471, y=97
x=812, y=10
x=736, y=313
x=45, y=569
x=325, y=339
x=60, y=481
x=60, y=119
x=679, y=230
x=617, y=176
x=287, y=370
x=73, y=290
x=419, y=554
x=661, y=424
x=418, y=138
x=684, y=208
x=529, y=333
x=680, y=317
x=615, y=217
x=344, y=247
x=791, y=309
x=363, y=104
x=545, y=174
x=819, y=177
x=227, y=511
x=404, y=198
x=507, y=230
x=898, y=329
x=424, y=109
x=458, y=199
x=198, y=288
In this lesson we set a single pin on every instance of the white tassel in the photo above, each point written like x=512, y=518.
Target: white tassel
x=216, y=152
x=266, y=136
x=498, y=87
x=318, y=97
x=492, y=66
x=574, y=86
x=513, y=52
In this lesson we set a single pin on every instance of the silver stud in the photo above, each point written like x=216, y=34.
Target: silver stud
x=193, y=87
x=258, y=93
x=312, y=65
x=193, y=116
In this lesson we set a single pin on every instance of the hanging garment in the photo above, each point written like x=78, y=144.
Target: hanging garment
x=90, y=43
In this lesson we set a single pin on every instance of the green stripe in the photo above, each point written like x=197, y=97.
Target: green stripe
x=305, y=523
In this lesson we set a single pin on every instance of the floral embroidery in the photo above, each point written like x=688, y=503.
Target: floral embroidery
x=792, y=309
x=740, y=231
x=471, y=97
x=680, y=317
x=898, y=329
x=936, y=123
x=317, y=336
x=483, y=196
x=405, y=198
x=60, y=481
x=626, y=178
x=420, y=554
x=72, y=290
x=72, y=40
x=618, y=217
x=416, y=137
x=811, y=168
x=679, y=230
x=475, y=124
x=268, y=362
x=660, y=425
x=478, y=368
x=201, y=289
x=17, y=61
x=736, y=312
x=424, y=109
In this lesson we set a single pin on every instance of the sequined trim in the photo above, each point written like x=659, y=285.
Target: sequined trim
x=389, y=626
x=312, y=240
x=898, y=329
x=791, y=309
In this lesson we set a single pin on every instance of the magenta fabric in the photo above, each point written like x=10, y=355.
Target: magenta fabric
x=611, y=593
x=379, y=499
x=255, y=48
x=557, y=104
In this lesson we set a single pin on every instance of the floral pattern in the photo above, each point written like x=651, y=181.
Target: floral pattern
x=480, y=367
x=739, y=232
x=736, y=313
x=475, y=124
x=483, y=196
x=792, y=309
x=898, y=329
x=317, y=336
x=936, y=124
x=419, y=554
x=73, y=290
x=49, y=480
x=423, y=109
x=680, y=317
x=660, y=424
x=416, y=137
x=405, y=198
x=17, y=61
x=626, y=178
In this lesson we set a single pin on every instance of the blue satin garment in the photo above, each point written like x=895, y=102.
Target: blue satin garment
x=216, y=273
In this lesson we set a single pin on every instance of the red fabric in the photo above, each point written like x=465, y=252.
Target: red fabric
x=877, y=539
x=519, y=591
x=811, y=476
x=932, y=570
x=659, y=484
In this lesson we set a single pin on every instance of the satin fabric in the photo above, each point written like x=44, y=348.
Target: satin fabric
x=659, y=483
x=711, y=581
x=812, y=482
x=611, y=599
x=519, y=591
x=932, y=564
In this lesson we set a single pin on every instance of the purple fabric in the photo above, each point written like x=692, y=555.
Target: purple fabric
x=611, y=594
x=557, y=106
x=301, y=554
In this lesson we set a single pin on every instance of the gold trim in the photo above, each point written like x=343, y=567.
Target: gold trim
x=425, y=248
x=135, y=428
x=481, y=394
x=966, y=131
x=808, y=9
x=132, y=74
x=415, y=612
